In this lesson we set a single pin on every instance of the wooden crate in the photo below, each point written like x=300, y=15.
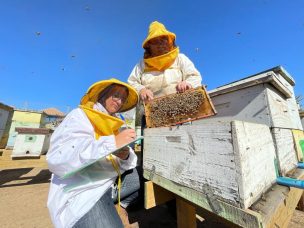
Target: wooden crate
x=174, y=108
x=266, y=98
x=228, y=161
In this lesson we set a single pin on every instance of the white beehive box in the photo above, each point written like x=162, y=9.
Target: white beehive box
x=233, y=161
x=31, y=142
x=266, y=98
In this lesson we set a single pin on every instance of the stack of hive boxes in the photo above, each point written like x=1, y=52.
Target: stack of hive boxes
x=232, y=156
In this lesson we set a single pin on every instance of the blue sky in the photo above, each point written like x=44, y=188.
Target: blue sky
x=52, y=51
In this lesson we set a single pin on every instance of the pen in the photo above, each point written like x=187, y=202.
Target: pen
x=124, y=120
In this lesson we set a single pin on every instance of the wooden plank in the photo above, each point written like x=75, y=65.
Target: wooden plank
x=243, y=218
x=297, y=220
x=298, y=135
x=156, y=195
x=185, y=212
x=285, y=150
x=277, y=206
x=255, y=155
x=195, y=156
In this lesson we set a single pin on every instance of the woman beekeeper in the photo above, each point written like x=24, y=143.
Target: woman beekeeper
x=88, y=133
x=163, y=69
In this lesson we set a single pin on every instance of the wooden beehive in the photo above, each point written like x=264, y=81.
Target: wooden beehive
x=31, y=142
x=233, y=161
x=266, y=98
x=179, y=108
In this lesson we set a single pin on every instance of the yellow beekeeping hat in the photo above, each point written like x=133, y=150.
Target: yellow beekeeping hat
x=157, y=29
x=93, y=92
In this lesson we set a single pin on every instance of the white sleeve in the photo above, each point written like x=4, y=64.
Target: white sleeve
x=135, y=78
x=130, y=163
x=190, y=73
x=73, y=144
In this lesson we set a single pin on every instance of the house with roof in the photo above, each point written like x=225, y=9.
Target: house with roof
x=52, y=117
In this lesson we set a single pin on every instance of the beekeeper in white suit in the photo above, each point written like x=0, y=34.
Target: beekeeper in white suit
x=163, y=70
x=88, y=133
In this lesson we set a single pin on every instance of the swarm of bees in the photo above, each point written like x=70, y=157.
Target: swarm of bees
x=175, y=108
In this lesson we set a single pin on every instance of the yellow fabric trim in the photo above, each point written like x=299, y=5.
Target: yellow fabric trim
x=105, y=125
x=157, y=29
x=162, y=62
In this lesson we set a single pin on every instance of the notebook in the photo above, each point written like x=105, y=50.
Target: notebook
x=71, y=173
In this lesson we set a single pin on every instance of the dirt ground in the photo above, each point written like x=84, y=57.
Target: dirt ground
x=24, y=188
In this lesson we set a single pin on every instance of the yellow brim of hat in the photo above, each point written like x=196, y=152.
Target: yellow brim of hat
x=157, y=29
x=93, y=92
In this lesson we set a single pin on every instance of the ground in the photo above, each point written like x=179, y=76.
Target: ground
x=24, y=188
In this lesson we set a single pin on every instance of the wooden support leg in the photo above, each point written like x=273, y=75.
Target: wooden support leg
x=185, y=214
x=156, y=195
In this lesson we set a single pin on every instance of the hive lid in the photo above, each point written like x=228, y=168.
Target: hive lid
x=271, y=76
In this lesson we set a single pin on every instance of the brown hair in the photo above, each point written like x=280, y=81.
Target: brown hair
x=107, y=92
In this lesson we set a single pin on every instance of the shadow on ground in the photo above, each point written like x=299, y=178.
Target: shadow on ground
x=17, y=175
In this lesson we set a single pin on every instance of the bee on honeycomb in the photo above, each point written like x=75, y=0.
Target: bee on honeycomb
x=175, y=108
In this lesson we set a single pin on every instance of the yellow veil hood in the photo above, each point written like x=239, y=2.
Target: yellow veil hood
x=91, y=96
x=157, y=29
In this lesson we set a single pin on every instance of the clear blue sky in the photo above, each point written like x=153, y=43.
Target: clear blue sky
x=83, y=41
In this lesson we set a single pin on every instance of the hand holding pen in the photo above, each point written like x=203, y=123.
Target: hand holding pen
x=126, y=135
x=124, y=120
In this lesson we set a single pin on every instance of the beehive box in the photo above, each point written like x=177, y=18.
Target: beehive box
x=266, y=98
x=233, y=161
x=179, y=108
x=31, y=142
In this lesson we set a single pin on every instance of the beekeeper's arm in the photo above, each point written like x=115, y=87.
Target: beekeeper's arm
x=135, y=81
x=73, y=144
x=190, y=74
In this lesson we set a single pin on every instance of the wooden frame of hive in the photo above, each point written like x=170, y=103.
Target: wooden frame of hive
x=205, y=109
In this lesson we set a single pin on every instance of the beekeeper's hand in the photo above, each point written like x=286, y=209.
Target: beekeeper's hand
x=123, y=153
x=146, y=94
x=183, y=86
x=124, y=137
